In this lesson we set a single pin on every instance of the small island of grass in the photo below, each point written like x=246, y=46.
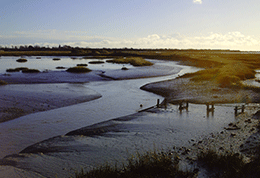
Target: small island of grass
x=21, y=60
x=56, y=59
x=30, y=71
x=78, y=69
x=96, y=62
x=135, y=61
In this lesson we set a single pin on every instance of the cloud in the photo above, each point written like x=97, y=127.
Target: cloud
x=197, y=1
x=232, y=40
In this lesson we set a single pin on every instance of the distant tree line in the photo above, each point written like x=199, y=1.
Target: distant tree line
x=69, y=48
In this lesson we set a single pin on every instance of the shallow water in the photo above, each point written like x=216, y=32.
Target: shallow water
x=47, y=63
x=119, y=98
x=142, y=132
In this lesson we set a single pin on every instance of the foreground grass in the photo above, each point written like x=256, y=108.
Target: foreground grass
x=135, y=61
x=151, y=164
x=230, y=164
x=223, y=165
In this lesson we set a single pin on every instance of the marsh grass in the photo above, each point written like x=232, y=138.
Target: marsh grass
x=16, y=69
x=227, y=75
x=150, y=164
x=78, y=69
x=135, y=61
x=224, y=165
x=13, y=70
x=60, y=67
x=56, y=59
x=96, y=62
x=3, y=82
x=22, y=60
x=30, y=71
x=82, y=64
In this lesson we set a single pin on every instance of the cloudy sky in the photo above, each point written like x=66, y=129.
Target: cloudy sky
x=198, y=24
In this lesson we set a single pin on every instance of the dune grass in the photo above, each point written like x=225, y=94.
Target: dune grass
x=150, y=164
x=135, y=61
x=78, y=69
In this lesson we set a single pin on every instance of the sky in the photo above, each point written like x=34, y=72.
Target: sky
x=181, y=24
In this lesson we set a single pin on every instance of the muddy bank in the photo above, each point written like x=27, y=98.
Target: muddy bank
x=20, y=100
x=201, y=92
x=115, y=140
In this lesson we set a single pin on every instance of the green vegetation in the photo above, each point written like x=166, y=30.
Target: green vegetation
x=78, y=69
x=60, y=67
x=56, y=59
x=226, y=75
x=16, y=69
x=151, y=164
x=230, y=164
x=3, y=82
x=135, y=61
x=124, y=68
x=21, y=60
x=226, y=165
x=96, y=62
x=82, y=64
x=30, y=71
x=12, y=70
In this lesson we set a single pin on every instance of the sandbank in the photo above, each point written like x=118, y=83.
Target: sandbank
x=23, y=99
x=201, y=92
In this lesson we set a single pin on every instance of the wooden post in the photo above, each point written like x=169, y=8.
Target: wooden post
x=207, y=107
x=236, y=108
x=243, y=108
x=180, y=107
x=158, y=103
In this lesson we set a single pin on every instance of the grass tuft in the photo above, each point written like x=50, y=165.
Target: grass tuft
x=135, y=61
x=96, y=62
x=78, y=69
x=30, y=71
x=56, y=59
x=226, y=165
x=150, y=164
x=21, y=60
x=13, y=70
x=82, y=64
